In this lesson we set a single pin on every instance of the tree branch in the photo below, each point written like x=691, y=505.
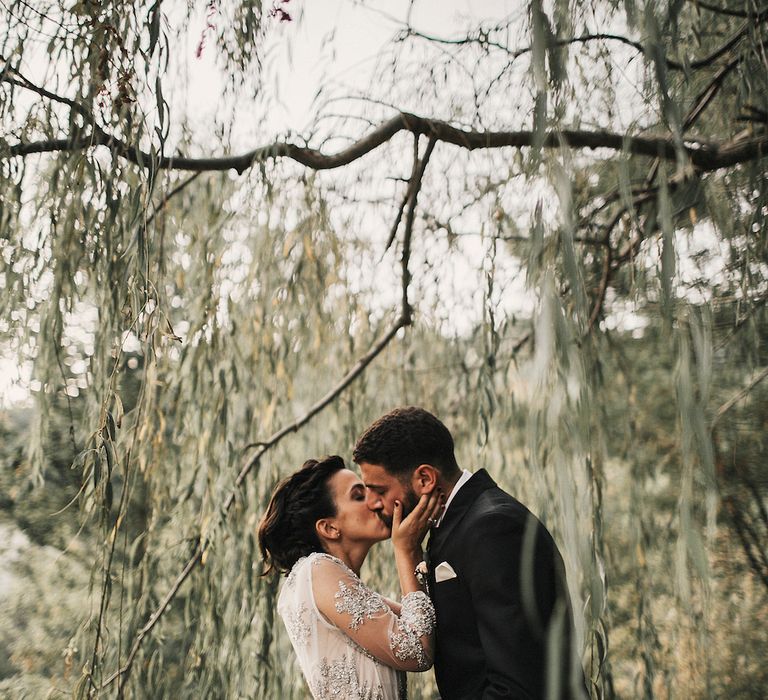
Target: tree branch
x=607, y=270
x=726, y=10
x=161, y=204
x=728, y=405
x=419, y=176
x=706, y=156
x=22, y=82
x=404, y=203
x=730, y=43
x=482, y=39
x=705, y=97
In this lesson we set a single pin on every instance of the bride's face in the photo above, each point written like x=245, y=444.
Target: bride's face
x=353, y=519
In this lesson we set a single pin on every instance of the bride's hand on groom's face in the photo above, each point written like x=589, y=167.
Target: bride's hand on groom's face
x=408, y=532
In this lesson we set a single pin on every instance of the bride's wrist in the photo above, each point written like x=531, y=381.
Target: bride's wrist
x=409, y=552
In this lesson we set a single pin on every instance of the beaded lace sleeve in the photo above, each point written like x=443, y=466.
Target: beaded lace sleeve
x=403, y=642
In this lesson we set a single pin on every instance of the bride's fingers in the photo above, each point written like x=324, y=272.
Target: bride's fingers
x=397, y=515
x=425, y=513
x=432, y=503
x=419, y=508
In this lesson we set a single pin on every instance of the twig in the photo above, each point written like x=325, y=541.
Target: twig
x=161, y=204
x=728, y=405
x=482, y=39
x=705, y=97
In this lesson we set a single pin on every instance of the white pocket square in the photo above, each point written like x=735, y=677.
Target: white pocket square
x=444, y=572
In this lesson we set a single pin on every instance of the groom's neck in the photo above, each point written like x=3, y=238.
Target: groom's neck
x=447, y=484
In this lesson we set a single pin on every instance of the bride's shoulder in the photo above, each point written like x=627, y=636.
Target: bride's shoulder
x=320, y=561
x=327, y=562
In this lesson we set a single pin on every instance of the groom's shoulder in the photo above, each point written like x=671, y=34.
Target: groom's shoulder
x=496, y=510
x=496, y=504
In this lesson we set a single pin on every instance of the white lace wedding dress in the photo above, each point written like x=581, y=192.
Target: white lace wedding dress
x=349, y=642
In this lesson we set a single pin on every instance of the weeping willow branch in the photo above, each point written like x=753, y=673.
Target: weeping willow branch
x=202, y=546
x=403, y=320
x=483, y=39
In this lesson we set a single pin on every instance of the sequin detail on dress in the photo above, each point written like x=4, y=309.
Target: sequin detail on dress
x=338, y=679
x=356, y=646
x=298, y=626
x=358, y=602
x=417, y=618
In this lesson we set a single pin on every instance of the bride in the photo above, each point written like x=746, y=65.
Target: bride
x=350, y=641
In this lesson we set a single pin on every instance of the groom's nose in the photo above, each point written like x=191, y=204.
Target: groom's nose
x=373, y=500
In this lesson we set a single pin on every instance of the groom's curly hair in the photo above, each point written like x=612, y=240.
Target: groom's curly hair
x=403, y=439
x=287, y=530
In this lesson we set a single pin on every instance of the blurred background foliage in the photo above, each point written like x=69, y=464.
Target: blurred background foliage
x=587, y=315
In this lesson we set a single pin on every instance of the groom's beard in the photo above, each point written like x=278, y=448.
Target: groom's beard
x=410, y=501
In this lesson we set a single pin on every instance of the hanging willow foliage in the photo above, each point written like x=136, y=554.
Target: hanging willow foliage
x=548, y=228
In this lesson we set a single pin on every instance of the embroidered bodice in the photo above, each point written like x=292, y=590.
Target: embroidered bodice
x=348, y=640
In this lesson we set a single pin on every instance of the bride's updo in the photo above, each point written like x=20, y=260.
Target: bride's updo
x=287, y=530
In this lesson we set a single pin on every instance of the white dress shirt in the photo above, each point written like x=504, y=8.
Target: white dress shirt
x=463, y=479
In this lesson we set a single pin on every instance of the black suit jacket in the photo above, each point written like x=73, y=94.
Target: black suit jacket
x=505, y=619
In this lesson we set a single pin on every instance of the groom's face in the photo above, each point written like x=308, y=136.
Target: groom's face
x=383, y=489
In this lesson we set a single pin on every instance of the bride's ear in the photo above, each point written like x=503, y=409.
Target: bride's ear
x=424, y=480
x=326, y=529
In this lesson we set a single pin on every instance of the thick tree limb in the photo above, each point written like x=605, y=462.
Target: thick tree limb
x=705, y=156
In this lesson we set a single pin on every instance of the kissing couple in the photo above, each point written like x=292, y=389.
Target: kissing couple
x=486, y=604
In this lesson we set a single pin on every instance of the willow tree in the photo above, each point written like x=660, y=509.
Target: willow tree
x=548, y=227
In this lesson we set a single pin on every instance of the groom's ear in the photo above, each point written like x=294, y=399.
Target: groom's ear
x=424, y=479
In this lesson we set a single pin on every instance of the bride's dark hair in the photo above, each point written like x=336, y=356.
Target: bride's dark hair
x=287, y=530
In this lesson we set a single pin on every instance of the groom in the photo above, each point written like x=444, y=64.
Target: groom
x=504, y=627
